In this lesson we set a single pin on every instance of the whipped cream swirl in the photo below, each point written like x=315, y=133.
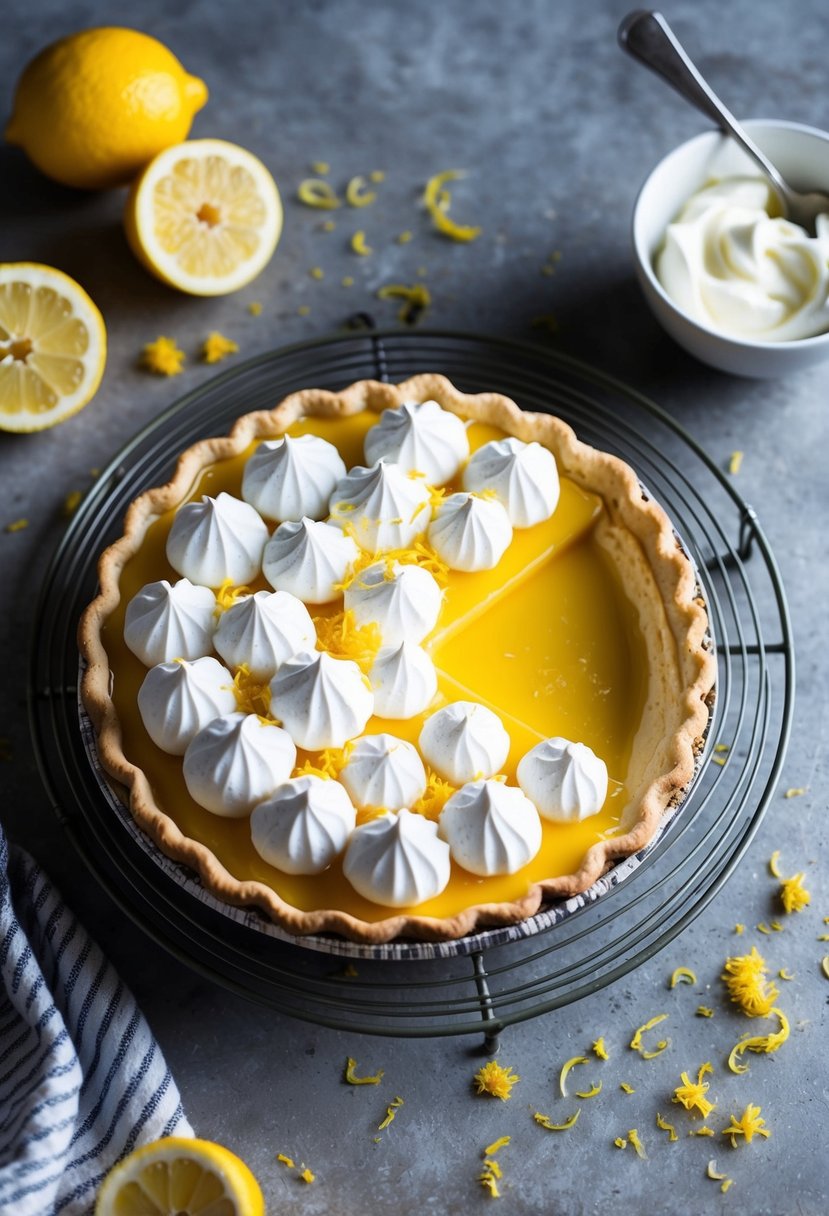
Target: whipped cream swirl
x=263, y=630
x=322, y=701
x=382, y=507
x=464, y=741
x=522, y=476
x=404, y=681
x=304, y=825
x=235, y=762
x=384, y=771
x=309, y=559
x=217, y=539
x=397, y=860
x=423, y=439
x=290, y=478
x=165, y=622
x=403, y=600
x=177, y=699
x=491, y=828
x=566, y=781
x=470, y=533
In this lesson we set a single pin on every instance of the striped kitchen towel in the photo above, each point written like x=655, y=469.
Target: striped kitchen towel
x=82, y=1080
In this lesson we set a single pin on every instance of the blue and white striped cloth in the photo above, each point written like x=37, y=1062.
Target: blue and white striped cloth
x=82, y=1080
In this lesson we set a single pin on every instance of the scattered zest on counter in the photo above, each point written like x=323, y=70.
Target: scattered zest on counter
x=735, y=463
x=314, y=192
x=620, y=1142
x=163, y=357
x=745, y=979
x=391, y=1110
x=739, y=929
x=796, y=791
x=17, y=525
x=255, y=308
x=785, y=974
x=403, y=238
x=497, y=1145
x=793, y=895
x=590, y=1093
x=628, y=1089
x=824, y=965
x=217, y=347
x=546, y=1122
x=359, y=244
x=72, y=501
x=702, y=1131
x=352, y=1078
x=306, y=1175
x=682, y=975
x=317, y=272
x=438, y=200
x=665, y=1126
x=565, y=1071
x=356, y=193
x=320, y=167
x=600, y=1050
x=691, y=1094
x=774, y=864
x=416, y=299
x=636, y=1143
x=704, y=1011
x=286, y=1161
x=494, y=1079
x=749, y=1125
x=636, y=1041
x=765, y=1043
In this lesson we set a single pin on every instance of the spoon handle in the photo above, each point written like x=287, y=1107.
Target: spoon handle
x=647, y=37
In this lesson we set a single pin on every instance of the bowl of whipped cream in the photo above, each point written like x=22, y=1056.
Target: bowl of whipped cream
x=730, y=279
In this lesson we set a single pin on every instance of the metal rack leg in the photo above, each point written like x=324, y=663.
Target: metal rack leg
x=492, y=1033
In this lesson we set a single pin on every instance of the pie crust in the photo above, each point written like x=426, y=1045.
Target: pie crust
x=634, y=533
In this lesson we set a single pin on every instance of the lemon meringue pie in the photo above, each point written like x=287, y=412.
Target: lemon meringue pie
x=398, y=661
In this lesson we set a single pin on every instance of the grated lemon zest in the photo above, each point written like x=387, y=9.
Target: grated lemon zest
x=785, y=974
x=774, y=866
x=749, y=1125
x=252, y=696
x=404, y=237
x=357, y=194
x=435, y=796
x=702, y=1131
x=217, y=347
x=600, y=1050
x=488, y=1182
x=492, y=1149
x=72, y=501
x=352, y=1078
x=763, y=928
x=722, y=747
x=793, y=895
x=359, y=246
x=307, y=1176
x=628, y=1089
x=228, y=593
x=739, y=929
x=735, y=463
x=438, y=200
x=286, y=1161
x=691, y=1094
x=494, y=1079
x=340, y=635
x=745, y=979
x=665, y=1126
x=636, y=1041
x=620, y=1142
x=162, y=357
x=316, y=272
x=255, y=308
x=590, y=1093
x=727, y=1185
x=17, y=525
x=633, y=1139
x=314, y=192
x=704, y=1011
x=320, y=167
x=824, y=965
x=796, y=791
x=776, y=926
x=416, y=299
x=546, y=1122
x=765, y=1043
x=720, y=760
x=682, y=975
x=712, y=1171
x=377, y=175
x=565, y=1071
x=391, y=1111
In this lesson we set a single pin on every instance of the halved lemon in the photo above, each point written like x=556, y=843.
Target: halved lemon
x=204, y=216
x=52, y=346
x=180, y=1177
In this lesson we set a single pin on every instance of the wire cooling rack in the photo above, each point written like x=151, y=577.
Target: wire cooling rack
x=501, y=977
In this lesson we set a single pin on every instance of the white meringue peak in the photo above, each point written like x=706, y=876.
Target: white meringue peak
x=322, y=701
x=464, y=741
x=290, y=478
x=383, y=771
x=470, y=533
x=303, y=825
x=165, y=622
x=423, y=438
x=382, y=507
x=490, y=827
x=566, y=781
x=217, y=539
x=235, y=762
x=404, y=681
x=523, y=477
x=263, y=630
x=397, y=860
x=403, y=600
x=309, y=559
x=178, y=699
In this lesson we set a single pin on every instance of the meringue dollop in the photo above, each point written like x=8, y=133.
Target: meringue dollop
x=523, y=477
x=403, y=600
x=235, y=762
x=382, y=507
x=165, y=622
x=290, y=478
x=464, y=741
x=216, y=540
x=309, y=559
x=470, y=533
x=490, y=827
x=383, y=771
x=423, y=439
x=263, y=630
x=303, y=825
x=404, y=681
x=566, y=781
x=322, y=701
x=177, y=699
x=397, y=860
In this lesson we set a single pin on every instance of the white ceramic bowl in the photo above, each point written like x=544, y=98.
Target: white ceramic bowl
x=802, y=156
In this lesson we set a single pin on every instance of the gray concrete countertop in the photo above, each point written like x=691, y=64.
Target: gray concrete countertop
x=557, y=129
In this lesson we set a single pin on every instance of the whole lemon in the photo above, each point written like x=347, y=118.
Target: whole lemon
x=93, y=109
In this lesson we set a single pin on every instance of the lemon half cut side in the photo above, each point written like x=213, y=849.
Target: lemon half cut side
x=180, y=1177
x=204, y=216
x=52, y=346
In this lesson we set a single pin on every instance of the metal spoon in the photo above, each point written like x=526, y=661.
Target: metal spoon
x=647, y=37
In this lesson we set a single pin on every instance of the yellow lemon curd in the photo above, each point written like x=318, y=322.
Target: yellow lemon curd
x=548, y=640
